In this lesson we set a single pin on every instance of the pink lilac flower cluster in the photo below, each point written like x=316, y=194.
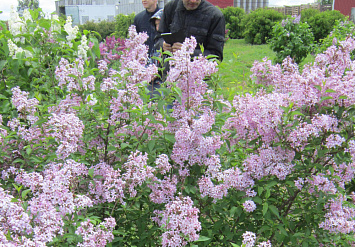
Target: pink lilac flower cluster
x=67, y=129
x=26, y=107
x=134, y=59
x=66, y=105
x=249, y=239
x=136, y=172
x=249, y=206
x=180, y=220
x=330, y=76
x=109, y=188
x=163, y=190
x=71, y=76
x=13, y=219
x=191, y=144
x=96, y=236
x=256, y=116
x=321, y=183
x=299, y=137
x=340, y=217
x=52, y=198
x=216, y=182
x=55, y=183
x=110, y=49
x=189, y=74
x=162, y=164
x=269, y=161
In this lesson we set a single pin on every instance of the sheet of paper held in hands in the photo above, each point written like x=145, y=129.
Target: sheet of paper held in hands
x=172, y=38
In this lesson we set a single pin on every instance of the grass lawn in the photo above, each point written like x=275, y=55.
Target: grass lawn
x=234, y=71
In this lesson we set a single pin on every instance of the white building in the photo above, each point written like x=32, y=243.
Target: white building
x=82, y=11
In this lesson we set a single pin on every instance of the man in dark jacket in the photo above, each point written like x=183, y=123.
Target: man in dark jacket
x=197, y=18
x=143, y=24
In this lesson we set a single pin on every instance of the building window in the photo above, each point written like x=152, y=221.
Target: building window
x=84, y=19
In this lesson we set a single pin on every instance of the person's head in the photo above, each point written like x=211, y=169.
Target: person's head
x=150, y=5
x=155, y=19
x=191, y=4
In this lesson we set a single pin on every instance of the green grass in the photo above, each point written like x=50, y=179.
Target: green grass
x=238, y=58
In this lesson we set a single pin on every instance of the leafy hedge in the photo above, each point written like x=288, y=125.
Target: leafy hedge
x=258, y=25
x=122, y=23
x=234, y=17
x=104, y=28
x=322, y=23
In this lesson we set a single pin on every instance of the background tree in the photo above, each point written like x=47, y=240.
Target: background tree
x=27, y=4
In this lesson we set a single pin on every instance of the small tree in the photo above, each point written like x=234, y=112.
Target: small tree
x=258, y=25
x=291, y=38
x=323, y=23
x=122, y=23
x=27, y=4
x=234, y=17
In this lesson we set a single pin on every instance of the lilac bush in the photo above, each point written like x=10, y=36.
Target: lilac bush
x=94, y=161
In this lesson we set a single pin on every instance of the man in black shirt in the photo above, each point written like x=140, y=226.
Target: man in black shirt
x=197, y=18
x=143, y=24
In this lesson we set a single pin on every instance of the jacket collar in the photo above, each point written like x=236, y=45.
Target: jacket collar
x=152, y=13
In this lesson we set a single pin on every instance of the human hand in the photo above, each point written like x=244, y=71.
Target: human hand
x=167, y=47
x=176, y=46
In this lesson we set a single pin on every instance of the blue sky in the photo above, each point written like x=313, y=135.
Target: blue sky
x=48, y=6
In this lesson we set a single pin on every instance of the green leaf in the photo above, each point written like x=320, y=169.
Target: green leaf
x=274, y=210
x=2, y=64
x=24, y=193
x=235, y=245
x=282, y=230
x=151, y=145
x=91, y=172
x=3, y=96
x=202, y=239
x=265, y=208
x=28, y=150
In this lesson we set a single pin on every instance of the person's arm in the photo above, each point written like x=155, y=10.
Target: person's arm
x=215, y=38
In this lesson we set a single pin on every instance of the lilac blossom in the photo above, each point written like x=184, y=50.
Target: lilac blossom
x=180, y=221
x=96, y=236
x=249, y=239
x=67, y=130
x=331, y=76
x=249, y=206
x=136, y=171
x=23, y=105
x=71, y=75
x=110, y=187
x=163, y=191
x=134, y=58
x=340, y=217
x=110, y=49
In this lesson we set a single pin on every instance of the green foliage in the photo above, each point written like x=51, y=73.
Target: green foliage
x=341, y=31
x=104, y=28
x=306, y=14
x=258, y=25
x=122, y=23
x=27, y=4
x=234, y=17
x=291, y=38
x=323, y=22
